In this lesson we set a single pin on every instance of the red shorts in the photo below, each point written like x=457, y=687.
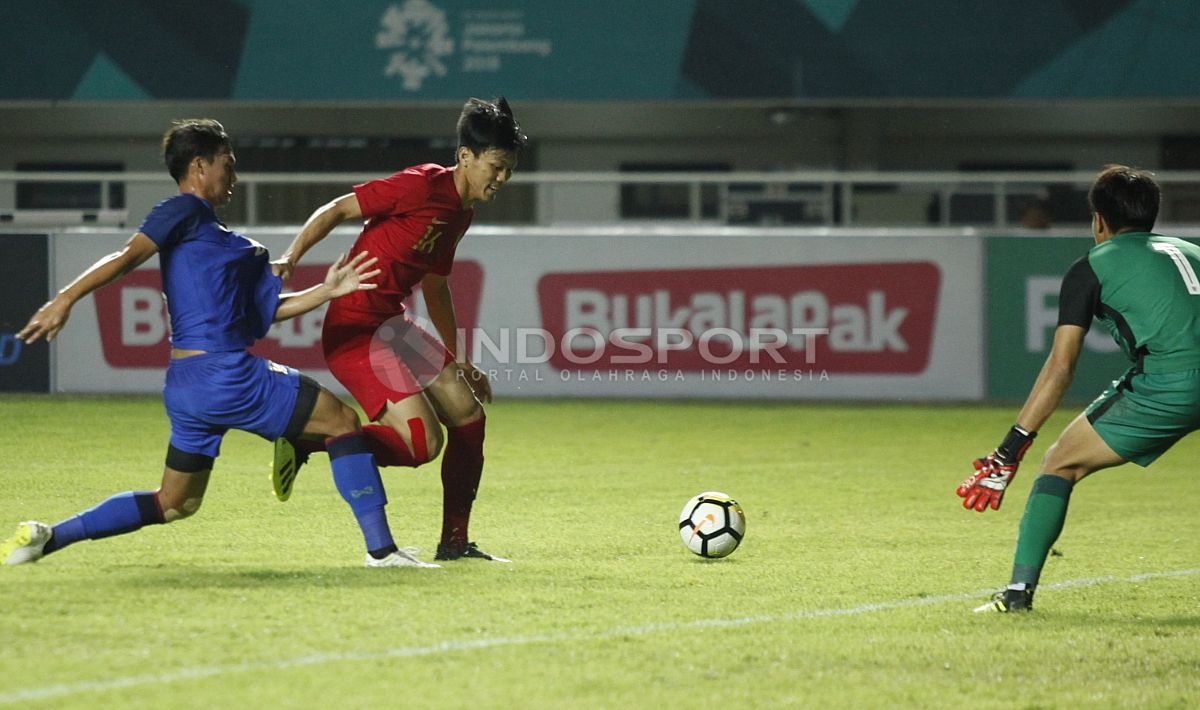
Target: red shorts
x=381, y=362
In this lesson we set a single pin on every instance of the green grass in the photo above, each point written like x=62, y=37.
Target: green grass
x=853, y=588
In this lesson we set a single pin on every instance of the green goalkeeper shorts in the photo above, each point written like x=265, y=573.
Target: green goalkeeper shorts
x=1140, y=416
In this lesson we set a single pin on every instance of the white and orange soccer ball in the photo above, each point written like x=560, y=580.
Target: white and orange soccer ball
x=712, y=524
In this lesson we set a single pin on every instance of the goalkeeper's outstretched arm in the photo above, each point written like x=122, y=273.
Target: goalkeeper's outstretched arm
x=1055, y=377
x=985, y=488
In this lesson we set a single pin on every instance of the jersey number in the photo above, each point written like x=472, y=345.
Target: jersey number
x=1185, y=267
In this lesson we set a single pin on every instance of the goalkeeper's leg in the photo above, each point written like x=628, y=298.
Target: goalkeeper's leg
x=1078, y=453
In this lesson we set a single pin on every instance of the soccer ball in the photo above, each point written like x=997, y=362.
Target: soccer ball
x=712, y=524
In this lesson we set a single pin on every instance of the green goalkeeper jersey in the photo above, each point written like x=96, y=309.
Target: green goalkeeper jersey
x=1144, y=289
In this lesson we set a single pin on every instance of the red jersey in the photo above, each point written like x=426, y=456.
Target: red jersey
x=415, y=220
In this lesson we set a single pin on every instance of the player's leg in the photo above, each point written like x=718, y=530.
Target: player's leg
x=1137, y=419
x=408, y=431
x=279, y=402
x=462, y=461
x=392, y=392
x=357, y=478
x=380, y=376
x=390, y=441
x=185, y=479
x=194, y=445
x=1078, y=452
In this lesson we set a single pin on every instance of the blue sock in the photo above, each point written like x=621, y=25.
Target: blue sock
x=122, y=513
x=357, y=479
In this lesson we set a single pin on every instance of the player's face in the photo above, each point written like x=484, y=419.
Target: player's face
x=486, y=173
x=219, y=177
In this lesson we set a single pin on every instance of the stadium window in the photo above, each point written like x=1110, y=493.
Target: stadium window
x=1181, y=201
x=81, y=195
x=1056, y=203
x=671, y=200
x=778, y=203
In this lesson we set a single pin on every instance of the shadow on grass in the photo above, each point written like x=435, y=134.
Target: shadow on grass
x=1145, y=624
x=201, y=577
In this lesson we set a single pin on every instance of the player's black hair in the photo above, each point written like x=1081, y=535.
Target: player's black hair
x=489, y=124
x=1126, y=198
x=189, y=138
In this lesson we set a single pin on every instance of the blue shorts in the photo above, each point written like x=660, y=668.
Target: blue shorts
x=207, y=395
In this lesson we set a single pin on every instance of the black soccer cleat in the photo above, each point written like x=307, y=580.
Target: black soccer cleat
x=1009, y=601
x=446, y=551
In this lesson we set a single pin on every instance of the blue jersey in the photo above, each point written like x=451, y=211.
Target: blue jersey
x=220, y=291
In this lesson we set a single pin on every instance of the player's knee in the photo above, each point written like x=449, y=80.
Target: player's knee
x=1056, y=462
x=344, y=421
x=425, y=439
x=178, y=507
x=468, y=414
x=434, y=441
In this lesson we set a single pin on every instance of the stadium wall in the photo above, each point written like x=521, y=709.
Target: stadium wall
x=65, y=50
x=24, y=282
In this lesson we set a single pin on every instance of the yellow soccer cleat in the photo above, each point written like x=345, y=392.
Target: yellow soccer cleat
x=26, y=544
x=284, y=469
x=1009, y=601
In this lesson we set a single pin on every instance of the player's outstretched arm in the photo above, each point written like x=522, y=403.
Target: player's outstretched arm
x=317, y=227
x=1056, y=376
x=52, y=316
x=343, y=277
x=985, y=488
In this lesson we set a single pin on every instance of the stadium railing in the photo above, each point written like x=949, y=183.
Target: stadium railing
x=817, y=198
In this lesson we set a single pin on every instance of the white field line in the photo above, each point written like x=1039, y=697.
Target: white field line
x=92, y=686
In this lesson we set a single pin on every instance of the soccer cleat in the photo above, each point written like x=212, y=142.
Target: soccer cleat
x=26, y=544
x=405, y=557
x=1009, y=601
x=284, y=468
x=447, y=551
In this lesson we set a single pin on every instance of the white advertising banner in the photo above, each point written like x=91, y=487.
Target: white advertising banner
x=624, y=312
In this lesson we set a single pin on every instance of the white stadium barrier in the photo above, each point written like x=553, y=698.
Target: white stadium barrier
x=612, y=311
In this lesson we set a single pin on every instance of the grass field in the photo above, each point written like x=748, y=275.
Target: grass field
x=854, y=587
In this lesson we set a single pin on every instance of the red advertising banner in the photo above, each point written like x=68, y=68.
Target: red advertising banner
x=134, y=326
x=863, y=318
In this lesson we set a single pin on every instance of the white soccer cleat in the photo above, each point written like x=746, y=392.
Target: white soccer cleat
x=405, y=557
x=26, y=544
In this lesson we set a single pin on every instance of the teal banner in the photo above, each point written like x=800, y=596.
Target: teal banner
x=1023, y=279
x=398, y=50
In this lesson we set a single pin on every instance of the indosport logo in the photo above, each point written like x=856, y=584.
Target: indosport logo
x=135, y=328
x=869, y=318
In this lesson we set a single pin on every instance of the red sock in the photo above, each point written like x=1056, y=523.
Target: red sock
x=462, y=467
x=384, y=443
x=388, y=447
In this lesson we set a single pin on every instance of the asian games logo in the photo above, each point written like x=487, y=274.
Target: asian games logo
x=418, y=36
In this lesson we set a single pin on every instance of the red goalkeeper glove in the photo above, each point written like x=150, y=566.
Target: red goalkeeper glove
x=992, y=474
